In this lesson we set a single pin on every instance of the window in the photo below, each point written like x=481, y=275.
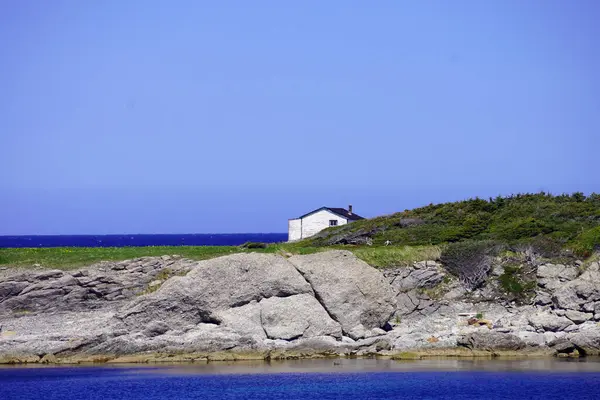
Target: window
x=333, y=222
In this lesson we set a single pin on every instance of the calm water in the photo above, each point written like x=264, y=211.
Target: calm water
x=231, y=239
x=354, y=379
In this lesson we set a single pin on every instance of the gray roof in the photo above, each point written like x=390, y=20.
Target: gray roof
x=342, y=212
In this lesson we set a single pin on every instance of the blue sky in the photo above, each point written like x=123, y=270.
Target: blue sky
x=232, y=116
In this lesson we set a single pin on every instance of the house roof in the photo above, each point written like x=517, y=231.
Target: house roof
x=342, y=212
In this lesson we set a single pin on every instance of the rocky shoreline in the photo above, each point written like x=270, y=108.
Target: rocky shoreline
x=267, y=307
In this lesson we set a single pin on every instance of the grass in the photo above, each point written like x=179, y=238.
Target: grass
x=74, y=257
x=389, y=256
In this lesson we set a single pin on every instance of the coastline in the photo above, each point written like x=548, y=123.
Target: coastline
x=268, y=307
x=458, y=353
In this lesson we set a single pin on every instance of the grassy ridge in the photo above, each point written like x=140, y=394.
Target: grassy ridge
x=567, y=220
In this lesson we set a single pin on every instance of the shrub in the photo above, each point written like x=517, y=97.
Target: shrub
x=470, y=261
x=522, y=228
x=514, y=284
x=587, y=242
x=544, y=246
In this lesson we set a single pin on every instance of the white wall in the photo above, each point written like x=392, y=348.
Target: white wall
x=318, y=221
x=294, y=229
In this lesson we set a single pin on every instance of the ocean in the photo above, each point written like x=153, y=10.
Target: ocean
x=200, y=239
x=451, y=380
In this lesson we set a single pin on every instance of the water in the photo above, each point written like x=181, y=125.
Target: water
x=230, y=239
x=351, y=379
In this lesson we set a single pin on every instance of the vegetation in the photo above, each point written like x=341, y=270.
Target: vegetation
x=463, y=235
x=586, y=242
x=73, y=257
x=514, y=282
x=396, y=256
x=553, y=221
x=470, y=261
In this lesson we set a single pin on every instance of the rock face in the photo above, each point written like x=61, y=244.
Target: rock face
x=491, y=341
x=353, y=293
x=241, y=302
x=270, y=305
x=95, y=287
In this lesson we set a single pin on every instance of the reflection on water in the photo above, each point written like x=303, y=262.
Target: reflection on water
x=358, y=365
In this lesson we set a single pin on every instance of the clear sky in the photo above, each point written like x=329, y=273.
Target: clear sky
x=193, y=116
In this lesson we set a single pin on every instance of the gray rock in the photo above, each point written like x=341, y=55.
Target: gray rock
x=562, y=345
x=574, y=295
x=557, y=271
x=531, y=339
x=588, y=341
x=592, y=273
x=300, y=316
x=354, y=294
x=491, y=340
x=578, y=317
x=216, y=284
x=11, y=288
x=543, y=299
x=156, y=328
x=549, y=322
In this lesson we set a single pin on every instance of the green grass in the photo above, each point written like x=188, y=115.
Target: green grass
x=396, y=256
x=74, y=257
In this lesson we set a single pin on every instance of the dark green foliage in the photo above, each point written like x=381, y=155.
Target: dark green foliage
x=514, y=283
x=470, y=261
x=514, y=220
x=587, y=242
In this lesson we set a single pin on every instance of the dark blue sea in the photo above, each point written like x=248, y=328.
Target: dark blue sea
x=201, y=239
x=295, y=383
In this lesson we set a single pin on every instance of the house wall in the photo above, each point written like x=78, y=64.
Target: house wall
x=294, y=229
x=318, y=221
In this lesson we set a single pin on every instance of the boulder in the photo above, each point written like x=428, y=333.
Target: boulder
x=574, y=295
x=588, y=341
x=354, y=294
x=214, y=285
x=11, y=288
x=558, y=271
x=578, y=317
x=549, y=322
x=491, y=340
x=156, y=328
x=299, y=316
x=592, y=273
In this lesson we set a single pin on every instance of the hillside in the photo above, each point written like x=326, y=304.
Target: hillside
x=548, y=221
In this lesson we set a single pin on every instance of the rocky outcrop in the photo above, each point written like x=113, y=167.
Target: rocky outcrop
x=353, y=293
x=272, y=306
x=242, y=302
x=94, y=287
x=491, y=341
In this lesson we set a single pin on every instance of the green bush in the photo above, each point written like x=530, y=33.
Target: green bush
x=513, y=282
x=587, y=242
x=522, y=228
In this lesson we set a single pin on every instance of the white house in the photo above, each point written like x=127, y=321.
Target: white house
x=315, y=221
